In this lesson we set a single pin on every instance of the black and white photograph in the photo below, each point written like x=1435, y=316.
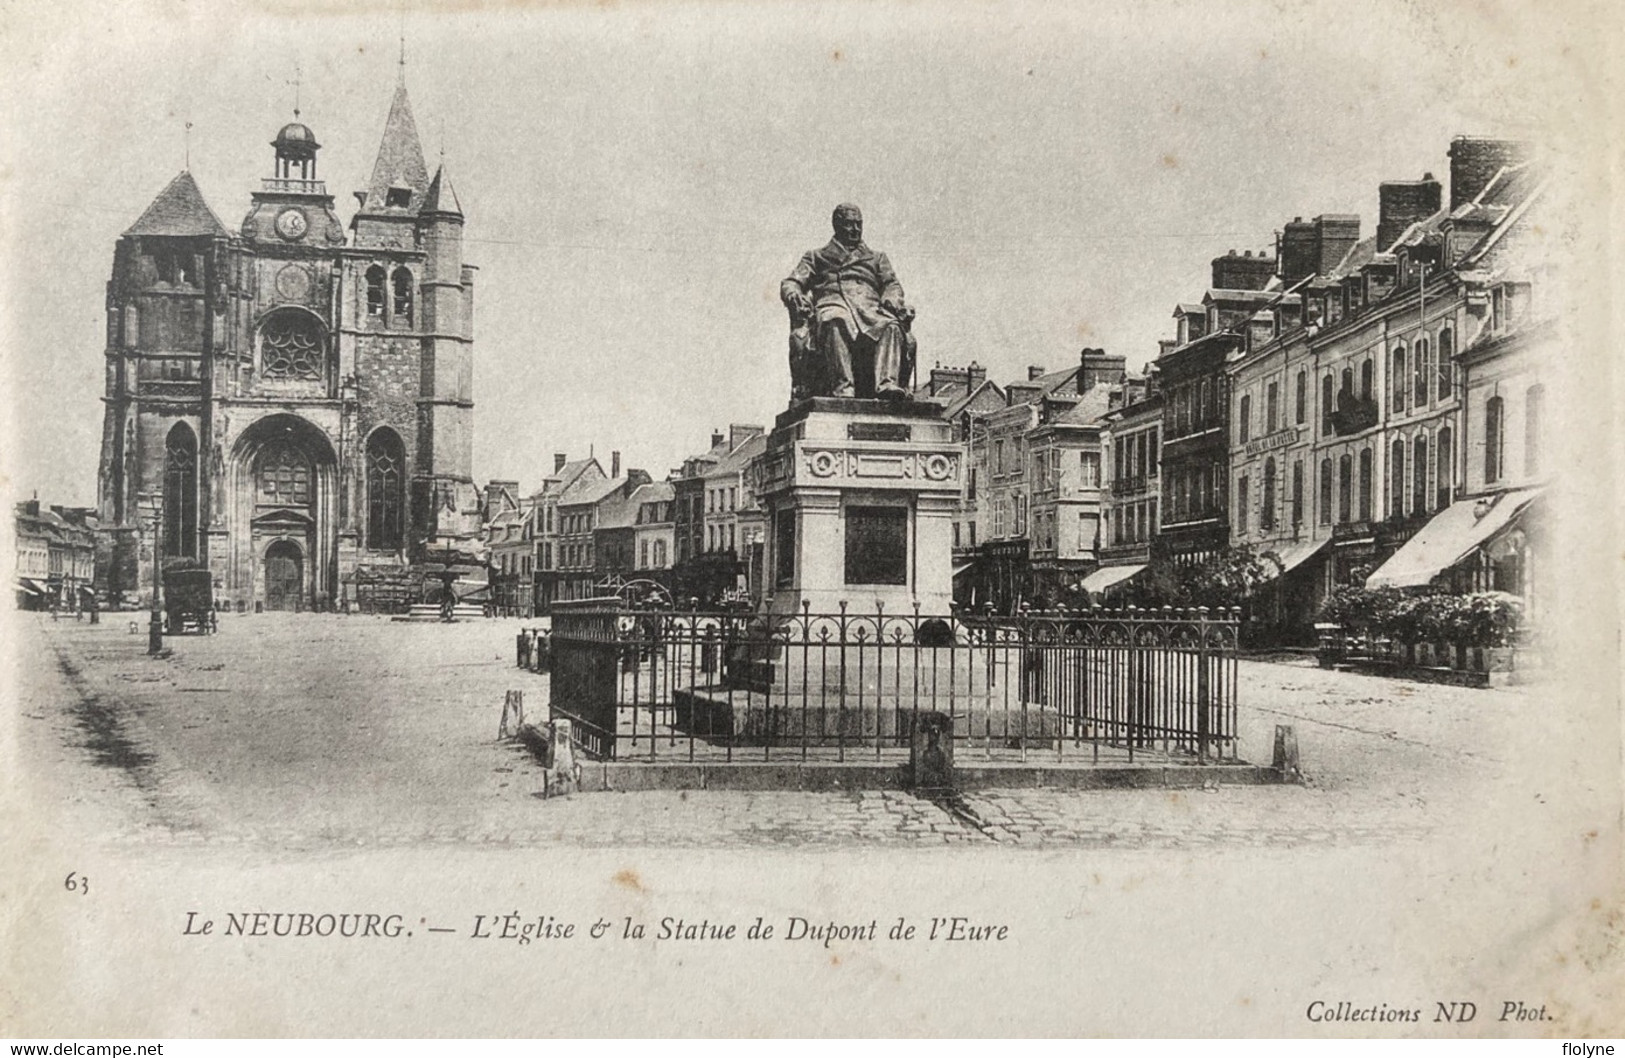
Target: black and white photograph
x=726, y=519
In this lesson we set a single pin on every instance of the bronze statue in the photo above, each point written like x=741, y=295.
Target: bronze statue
x=846, y=307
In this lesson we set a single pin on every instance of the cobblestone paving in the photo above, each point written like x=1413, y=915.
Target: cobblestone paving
x=321, y=732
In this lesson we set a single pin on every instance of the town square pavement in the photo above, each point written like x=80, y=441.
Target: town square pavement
x=325, y=730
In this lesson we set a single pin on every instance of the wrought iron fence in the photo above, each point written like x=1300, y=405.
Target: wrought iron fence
x=693, y=685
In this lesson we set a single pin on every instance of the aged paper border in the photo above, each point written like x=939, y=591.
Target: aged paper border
x=1136, y=944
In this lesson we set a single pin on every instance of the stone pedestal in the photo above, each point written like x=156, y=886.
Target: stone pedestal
x=859, y=497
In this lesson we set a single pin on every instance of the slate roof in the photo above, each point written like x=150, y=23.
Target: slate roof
x=400, y=159
x=590, y=491
x=441, y=196
x=1090, y=408
x=735, y=461
x=179, y=209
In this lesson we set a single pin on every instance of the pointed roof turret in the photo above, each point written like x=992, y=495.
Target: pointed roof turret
x=399, y=177
x=179, y=209
x=442, y=197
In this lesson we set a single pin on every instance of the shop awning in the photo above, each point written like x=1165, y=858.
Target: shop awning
x=960, y=571
x=1452, y=535
x=29, y=586
x=1108, y=577
x=1294, y=555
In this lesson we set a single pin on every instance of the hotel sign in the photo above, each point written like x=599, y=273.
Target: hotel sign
x=1278, y=439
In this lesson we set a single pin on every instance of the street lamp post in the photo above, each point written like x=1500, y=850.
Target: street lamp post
x=155, y=624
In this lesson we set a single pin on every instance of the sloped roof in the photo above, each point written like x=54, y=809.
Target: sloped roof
x=590, y=491
x=654, y=492
x=1090, y=408
x=441, y=196
x=619, y=512
x=959, y=404
x=400, y=158
x=563, y=478
x=735, y=461
x=179, y=209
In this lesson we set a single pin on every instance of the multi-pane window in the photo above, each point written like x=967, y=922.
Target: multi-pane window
x=1241, y=504
x=1326, y=387
x=1266, y=513
x=1446, y=378
x=1419, y=474
x=1244, y=418
x=1272, y=409
x=1302, y=397
x=1494, y=438
x=1089, y=469
x=1368, y=371
x=1445, y=480
x=1421, y=372
x=1396, y=480
x=386, y=467
x=1297, y=493
x=1345, y=488
x=1365, y=484
x=1399, y=377
x=1326, y=491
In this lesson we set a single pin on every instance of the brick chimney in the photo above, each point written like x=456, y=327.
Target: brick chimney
x=1243, y=271
x=1474, y=161
x=1097, y=368
x=717, y=438
x=1403, y=203
x=1310, y=247
x=559, y=460
x=1035, y=372
x=615, y=464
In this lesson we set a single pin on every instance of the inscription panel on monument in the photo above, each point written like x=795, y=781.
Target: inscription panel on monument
x=879, y=431
x=876, y=545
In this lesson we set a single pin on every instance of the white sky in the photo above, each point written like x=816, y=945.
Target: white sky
x=637, y=178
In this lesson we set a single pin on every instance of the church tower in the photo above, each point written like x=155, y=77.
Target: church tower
x=286, y=405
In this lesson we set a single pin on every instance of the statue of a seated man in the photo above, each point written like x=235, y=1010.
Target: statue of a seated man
x=846, y=307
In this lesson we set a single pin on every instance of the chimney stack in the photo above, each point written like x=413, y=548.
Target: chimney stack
x=1035, y=372
x=717, y=438
x=1403, y=203
x=1317, y=246
x=1096, y=368
x=558, y=461
x=1243, y=271
x=1474, y=161
x=615, y=464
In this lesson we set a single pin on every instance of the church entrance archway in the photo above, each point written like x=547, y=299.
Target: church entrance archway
x=283, y=514
x=284, y=576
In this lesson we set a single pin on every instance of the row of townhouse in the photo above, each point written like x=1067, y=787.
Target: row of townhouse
x=1367, y=411
x=586, y=533
x=56, y=556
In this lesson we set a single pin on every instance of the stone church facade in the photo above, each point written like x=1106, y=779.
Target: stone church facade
x=293, y=400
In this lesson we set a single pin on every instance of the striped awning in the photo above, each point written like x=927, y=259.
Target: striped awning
x=1452, y=535
x=1107, y=577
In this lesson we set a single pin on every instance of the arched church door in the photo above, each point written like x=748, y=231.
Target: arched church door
x=284, y=576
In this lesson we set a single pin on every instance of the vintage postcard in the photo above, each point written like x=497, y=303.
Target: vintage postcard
x=730, y=519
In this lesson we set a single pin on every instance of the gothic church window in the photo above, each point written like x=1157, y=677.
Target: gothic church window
x=403, y=297
x=291, y=347
x=180, y=492
x=386, y=466
x=375, y=292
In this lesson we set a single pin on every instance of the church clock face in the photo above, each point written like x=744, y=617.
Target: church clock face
x=291, y=224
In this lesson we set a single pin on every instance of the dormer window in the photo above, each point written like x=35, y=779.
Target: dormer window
x=398, y=197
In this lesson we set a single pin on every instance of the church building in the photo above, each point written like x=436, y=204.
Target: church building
x=291, y=402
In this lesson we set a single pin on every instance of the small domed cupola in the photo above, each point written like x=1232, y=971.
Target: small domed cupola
x=296, y=149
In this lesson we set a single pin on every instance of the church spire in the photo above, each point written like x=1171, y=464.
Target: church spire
x=399, y=176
